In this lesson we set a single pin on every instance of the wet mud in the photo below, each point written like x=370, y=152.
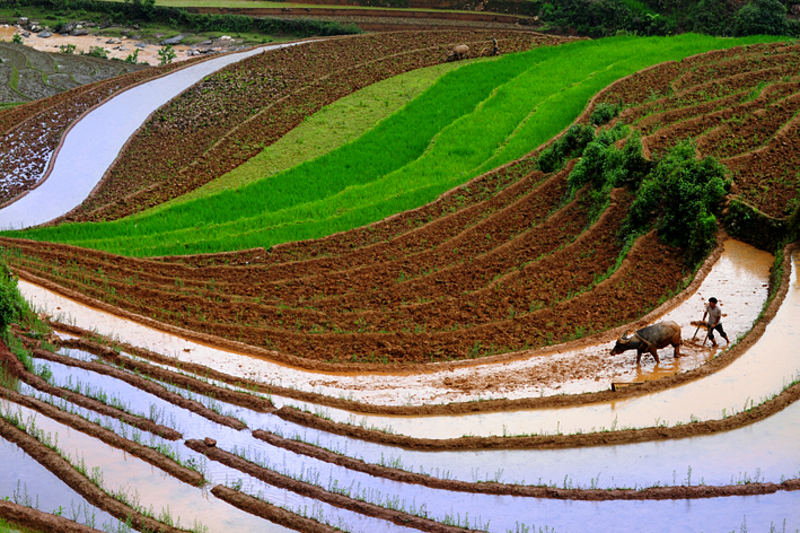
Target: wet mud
x=270, y=512
x=146, y=385
x=488, y=487
x=15, y=366
x=752, y=267
x=40, y=521
x=317, y=493
x=67, y=473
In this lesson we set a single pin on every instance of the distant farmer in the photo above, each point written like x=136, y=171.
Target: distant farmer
x=495, y=48
x=714, y=314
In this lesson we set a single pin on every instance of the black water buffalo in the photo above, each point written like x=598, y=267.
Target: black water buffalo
x=650, y=339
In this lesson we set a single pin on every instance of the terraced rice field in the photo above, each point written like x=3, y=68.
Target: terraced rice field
x=444, y=368
x=29, y=75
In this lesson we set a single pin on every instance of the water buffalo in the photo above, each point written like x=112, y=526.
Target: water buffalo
x=460, y=51
x=650, y=339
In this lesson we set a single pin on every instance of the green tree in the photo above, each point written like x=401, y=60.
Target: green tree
x=681, y=196
x=712, y=17
x=134, y=57
x=761, y=17
x=140, y=8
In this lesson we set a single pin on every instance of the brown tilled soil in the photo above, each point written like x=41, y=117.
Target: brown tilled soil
x=473, y=273
x=648, y=387
x=740, y=105
x=31, y=132
x=270, y=512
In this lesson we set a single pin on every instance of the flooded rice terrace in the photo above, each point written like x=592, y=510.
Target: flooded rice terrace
x=363, y=494
x=740, y=279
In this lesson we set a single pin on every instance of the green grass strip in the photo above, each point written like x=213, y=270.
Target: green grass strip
x=472, y=119
x=330, y=128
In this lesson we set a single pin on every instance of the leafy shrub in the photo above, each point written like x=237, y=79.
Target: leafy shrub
x=16, y=39
x=140, y=8
x=712, y=17
x=604, y=112
x=12, y=306
x=568, y=145
x=166, y=54
x=133, y=57
x=599, y=161
x=761, y=17
x=67, y=48
x=97, y=51
x=680, y=197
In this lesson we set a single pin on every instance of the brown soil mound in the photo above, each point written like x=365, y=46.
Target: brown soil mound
x=40, y=521
x=530, y=491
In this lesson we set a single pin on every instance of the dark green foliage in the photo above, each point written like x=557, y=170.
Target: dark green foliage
x=628, y=167
x=598, y=18
x=680, y=197
x=761, y=17
x=712, y=17
x=604, y=112
x=12, y=306
x=146, y=10
x=567, y=146
x=747, y=223
x=601, y=161
x=140, y=8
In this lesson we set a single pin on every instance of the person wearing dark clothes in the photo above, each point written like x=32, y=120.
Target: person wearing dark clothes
x=715, y=321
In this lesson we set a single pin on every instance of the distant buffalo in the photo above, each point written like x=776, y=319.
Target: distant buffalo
x=651, y=339
x=460, y=51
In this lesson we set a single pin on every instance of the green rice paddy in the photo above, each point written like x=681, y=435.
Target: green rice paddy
x=471, y=120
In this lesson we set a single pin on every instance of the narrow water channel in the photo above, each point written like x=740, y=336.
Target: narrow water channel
x=93, y=143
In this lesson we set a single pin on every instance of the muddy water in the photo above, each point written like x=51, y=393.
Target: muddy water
x=26, y=482
x=194, y=426
x=93, y=143
x=761, y=372
x=567, y=466
x=762, y=452
x=153, y=487
x=738, y=278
